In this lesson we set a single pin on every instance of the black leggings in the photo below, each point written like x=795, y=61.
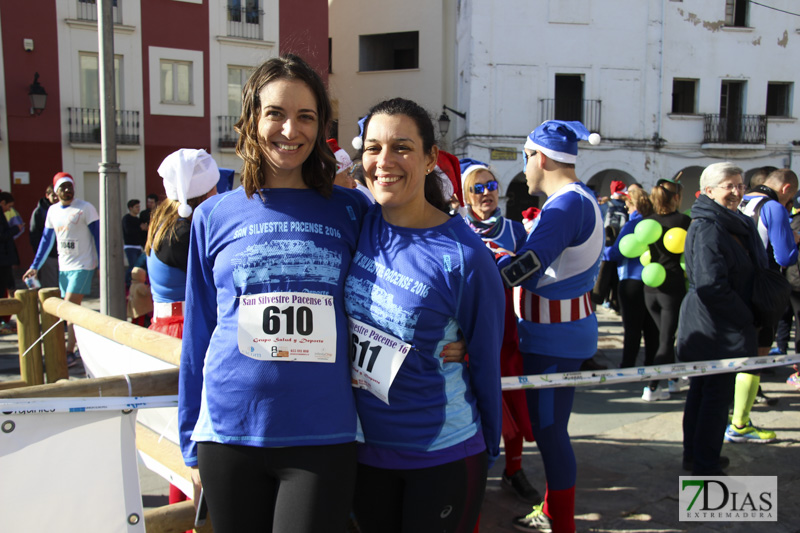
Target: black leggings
x=441, y=499
x=299, y=489
x=636, y=320
x=664, y=308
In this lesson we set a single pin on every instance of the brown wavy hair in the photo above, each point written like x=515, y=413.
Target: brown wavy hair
x=641, y=202
x=319, y=168
x=666, y=197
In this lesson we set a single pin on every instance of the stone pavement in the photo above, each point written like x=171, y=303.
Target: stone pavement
x=629, y=457
x=628, y=454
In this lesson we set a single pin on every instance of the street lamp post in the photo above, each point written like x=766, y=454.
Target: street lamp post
x=112, y=280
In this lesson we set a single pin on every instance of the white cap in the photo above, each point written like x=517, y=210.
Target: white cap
x=187, y=174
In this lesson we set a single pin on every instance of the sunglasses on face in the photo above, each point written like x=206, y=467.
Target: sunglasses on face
x=479, y=188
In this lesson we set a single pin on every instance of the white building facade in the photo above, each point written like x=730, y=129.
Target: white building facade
x=671, y=86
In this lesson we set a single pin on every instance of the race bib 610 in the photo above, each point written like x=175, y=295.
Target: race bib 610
x=287, y=326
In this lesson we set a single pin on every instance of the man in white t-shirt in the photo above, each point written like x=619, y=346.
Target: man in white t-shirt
x=73, y=225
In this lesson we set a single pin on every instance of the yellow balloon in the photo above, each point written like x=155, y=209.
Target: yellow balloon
x=645, y=258
x=674, y=240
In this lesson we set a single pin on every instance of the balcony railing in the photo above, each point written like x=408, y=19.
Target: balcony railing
x=87, y=10
x=227, y=135
x=84, y=126
x=586, y=111
x=736, y=129
x=245, y=21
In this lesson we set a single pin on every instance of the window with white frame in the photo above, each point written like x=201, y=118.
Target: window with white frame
x=176, y=81
x=90, y=80
x=237, y=77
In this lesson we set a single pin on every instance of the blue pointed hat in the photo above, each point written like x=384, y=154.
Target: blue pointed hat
x=558, y=139
x=358, y=142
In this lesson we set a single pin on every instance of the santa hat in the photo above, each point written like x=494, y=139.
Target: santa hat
x=188, y=174
x=528, y=216
x=558, y=139
x=619, y=188
x=358, y=142
x=449, y=171
x=343, y=160
x=62, y=177
x=468, y=166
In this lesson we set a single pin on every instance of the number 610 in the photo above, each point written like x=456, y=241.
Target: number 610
x=302, y=320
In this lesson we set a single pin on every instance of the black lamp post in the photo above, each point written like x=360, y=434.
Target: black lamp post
x=444, y=119
x=38, y=96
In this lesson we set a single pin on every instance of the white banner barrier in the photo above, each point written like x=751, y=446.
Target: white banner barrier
x=67, y=472
x=645, y=373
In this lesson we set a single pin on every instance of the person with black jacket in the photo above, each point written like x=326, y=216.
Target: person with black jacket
x=722, y=252
x=48, y=274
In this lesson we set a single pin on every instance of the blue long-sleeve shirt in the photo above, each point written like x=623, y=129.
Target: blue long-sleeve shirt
x=422, y=286
x=266, y=274
x=774, y=228
x=567, y=237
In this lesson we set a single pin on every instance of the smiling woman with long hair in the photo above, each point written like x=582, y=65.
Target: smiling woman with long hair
x=418, y=277
x=265, y=404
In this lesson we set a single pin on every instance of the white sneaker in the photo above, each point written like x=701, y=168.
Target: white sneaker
x=650, y=395
x=678, y=385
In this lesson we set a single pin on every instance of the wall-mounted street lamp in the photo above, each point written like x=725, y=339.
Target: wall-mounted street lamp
x=444, y=119
x=38, y=96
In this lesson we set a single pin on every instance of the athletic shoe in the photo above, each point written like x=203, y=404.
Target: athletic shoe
x=777, y=351
x=724, y=462
x=519, y=484
x=794, y=380
x=749, y=433
x=678, y=385
x=535, y=521
x=650, y=395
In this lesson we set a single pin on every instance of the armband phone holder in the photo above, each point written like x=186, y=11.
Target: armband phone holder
x=521, y=268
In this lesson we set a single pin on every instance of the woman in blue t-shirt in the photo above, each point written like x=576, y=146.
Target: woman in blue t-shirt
x=266, y=408
x=431, y=428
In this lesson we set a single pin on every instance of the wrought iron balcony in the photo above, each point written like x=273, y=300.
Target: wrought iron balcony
x=84, y=126
x=586, y=111
x=227, y=135
x=735, y=129
x=245, y=21
x=87, y=10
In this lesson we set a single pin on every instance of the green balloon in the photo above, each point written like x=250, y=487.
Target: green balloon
x=648, y=231
x=683, y=261
x=645, y=258
x=631, y=247
x=653, y=275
